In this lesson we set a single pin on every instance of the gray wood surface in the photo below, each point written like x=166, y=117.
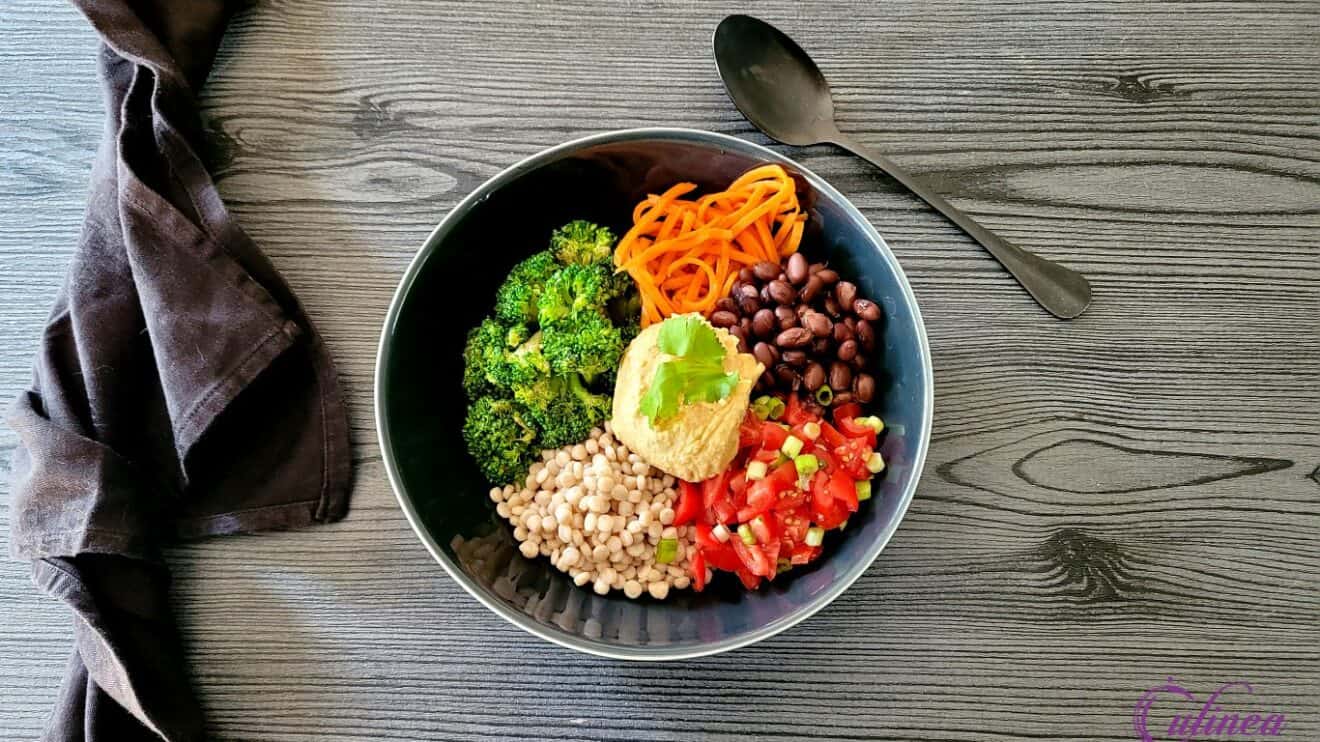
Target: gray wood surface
x=1108, y=502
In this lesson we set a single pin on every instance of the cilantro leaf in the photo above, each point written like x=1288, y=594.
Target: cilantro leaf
x=695, y=374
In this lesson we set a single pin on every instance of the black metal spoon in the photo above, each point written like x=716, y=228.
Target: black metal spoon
x=780, y=90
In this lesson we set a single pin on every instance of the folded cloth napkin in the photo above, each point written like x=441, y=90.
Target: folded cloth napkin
x=180, y=390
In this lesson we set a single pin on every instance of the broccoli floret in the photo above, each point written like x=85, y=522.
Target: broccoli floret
x=562, y=409
x=574, y=288
x=583, y=243
x=500, y=438
x=583, y=342
x=515, y=302
x=511, y=368
x=483, y=343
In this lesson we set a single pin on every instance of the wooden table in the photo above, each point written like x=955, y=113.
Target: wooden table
x=1108, y=502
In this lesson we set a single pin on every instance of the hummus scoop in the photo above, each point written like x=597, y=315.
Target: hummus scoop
x=702, y=438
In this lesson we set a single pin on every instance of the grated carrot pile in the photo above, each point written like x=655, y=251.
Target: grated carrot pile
x=684, y=255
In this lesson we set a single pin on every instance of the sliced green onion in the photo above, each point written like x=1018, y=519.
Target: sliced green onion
x=864, y=490
x=875, y=463
x=666, y=550
x=843, y=525
x=775, y=407
x=756, y=470
x=815, y=536
x=792, y=446
x=782, y=565
x=806, y=464
x=825, y=394
x=721, y=533
x=745, y=533
x=762, y=406
x=872, y=422
x=811, y=430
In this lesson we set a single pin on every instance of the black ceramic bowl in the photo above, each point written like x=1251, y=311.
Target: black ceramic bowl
x=420, y=405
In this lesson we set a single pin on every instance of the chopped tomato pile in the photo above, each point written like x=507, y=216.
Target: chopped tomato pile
x=796, y=475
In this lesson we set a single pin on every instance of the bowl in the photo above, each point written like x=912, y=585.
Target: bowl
x=450, y=286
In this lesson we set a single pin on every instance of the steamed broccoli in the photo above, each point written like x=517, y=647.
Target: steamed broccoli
x=510, y=368
x=562, y=409
x=484, y=342
x=574, y=288
x=583, y=243
x=584, y=342
x=500, y=438
x=515, y=301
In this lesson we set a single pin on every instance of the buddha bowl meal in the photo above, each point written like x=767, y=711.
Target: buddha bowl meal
x=686, y=402
x=653, y=394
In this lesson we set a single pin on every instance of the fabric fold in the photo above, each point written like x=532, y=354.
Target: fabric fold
x=180, y=390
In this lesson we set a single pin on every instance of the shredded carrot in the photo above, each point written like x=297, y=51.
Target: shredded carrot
x=685, y=254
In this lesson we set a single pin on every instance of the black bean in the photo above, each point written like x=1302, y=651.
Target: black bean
x=765, y=270
x=846, y=293
x=749, y=305
x=796, y=271
x=741, y=334
x=811, y=290
x=831, y=307
x=866, y=309
x=746, y=291
x=842, y=398
x=842, y=332
x=840, y=376
x=866, y=336
x=813, y=376
x=859, y=362
x=864, y=387
x=821, y=346
x=764, y=323
x=746, y=275
x=787, y=377
x=847, y=350
x=763, y=354
x=794, y=337
x=727, y=304
x=781, y=292
x=815, y=268
x=829, y=276
x=818, y=323
x=724, y=318
x=795, y=357
x=767, y=379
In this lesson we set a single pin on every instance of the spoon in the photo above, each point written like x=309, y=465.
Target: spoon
x=783, y=93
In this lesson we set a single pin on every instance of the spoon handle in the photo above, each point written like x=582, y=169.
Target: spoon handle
x=1063, y=292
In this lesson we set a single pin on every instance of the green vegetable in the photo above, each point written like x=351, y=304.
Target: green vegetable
x=815, y=536
x=695, y=373
x=516, y=300
x=509, y=368
x=792, y=446
x=500, y=438
x=825, y=394
x=484, y=342
x=583, y=243
x=666, y=551
x=573, y=288
x=811, y=430
x=872, y=422
x=768, y=408
x=584, y=342
x=806, y=464
x=756, y=470
x=875, y=463
x=863, y=490
x=745, y=533
x=563, y=410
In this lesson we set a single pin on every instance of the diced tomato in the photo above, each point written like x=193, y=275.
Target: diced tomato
x=853, y=429
x=698, y=565
x=802, y=554
x=749, y=580
x=765, y=528
x=715, y=497
x=852, y=456
x=850, y=410
x=790, y=499
x=705, y=537
x=830, y=437
x=749, y=431
x=766, y=455
x=722, y=557
x=690, y=504
x=738, y=483
x=793, y=526
x=772, y=436
x=753, y=558
x=795, y=413
x=844, y=489
x=764, y=493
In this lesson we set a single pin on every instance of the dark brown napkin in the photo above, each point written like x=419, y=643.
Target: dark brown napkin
x=180, y=390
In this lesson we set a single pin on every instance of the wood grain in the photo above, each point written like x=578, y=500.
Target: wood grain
x=1108, y=502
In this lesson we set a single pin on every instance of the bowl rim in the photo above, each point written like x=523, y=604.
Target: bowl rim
x=644, y=653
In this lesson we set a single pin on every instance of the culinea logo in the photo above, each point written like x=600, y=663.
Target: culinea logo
x=1217, y=718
